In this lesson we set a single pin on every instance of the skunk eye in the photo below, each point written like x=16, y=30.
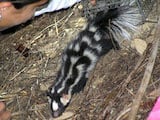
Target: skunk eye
x=49, y=94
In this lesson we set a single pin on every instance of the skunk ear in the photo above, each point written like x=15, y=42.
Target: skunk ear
x=48, y=93
x=65, y=99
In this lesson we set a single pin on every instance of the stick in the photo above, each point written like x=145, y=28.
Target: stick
x=147, y=75
x=123, y=113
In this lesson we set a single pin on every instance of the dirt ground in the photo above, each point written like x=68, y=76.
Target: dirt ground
x=30, y=58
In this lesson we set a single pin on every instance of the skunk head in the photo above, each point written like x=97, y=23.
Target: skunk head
x=58, y=102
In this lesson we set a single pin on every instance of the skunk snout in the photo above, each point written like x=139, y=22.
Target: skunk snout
x=57, y=109
x=58, y=102
x=57, y=113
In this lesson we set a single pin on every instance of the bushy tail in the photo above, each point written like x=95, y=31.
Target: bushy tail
x=119, y=21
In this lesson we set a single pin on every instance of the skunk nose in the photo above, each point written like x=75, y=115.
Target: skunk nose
x=56, y=114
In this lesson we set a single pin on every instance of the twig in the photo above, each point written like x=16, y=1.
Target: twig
x=123, y=113
x=39, y=35
x=56, y=26
x=21, y=71
x=110, y=105
x=17, y=113
x=147, y=75
x=141, y=59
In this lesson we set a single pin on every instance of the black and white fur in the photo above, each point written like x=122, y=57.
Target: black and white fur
x=81, y=55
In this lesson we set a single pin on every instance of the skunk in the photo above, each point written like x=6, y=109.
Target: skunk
x=100, y=35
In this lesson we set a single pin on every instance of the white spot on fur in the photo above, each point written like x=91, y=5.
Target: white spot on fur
x=80, y=67
x=92, y=57
x=59, y=90
x=54, y=106
x=52, y=91
x=71, y=46
x=49, y=100
x=97, y=47
x=86, y=39
x=87, y=75
x=92, y=29
x=74, y=60
x=77, y=47
x=64, y=57
x=97, y=36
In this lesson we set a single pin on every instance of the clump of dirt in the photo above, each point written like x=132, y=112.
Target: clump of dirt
x=25, y=79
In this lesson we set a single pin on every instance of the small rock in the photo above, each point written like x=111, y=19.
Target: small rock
x=80, y=7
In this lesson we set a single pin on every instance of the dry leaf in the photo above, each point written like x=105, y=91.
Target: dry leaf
x=140, y=45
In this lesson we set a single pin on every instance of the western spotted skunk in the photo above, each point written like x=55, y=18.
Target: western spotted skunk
x=81, y=55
